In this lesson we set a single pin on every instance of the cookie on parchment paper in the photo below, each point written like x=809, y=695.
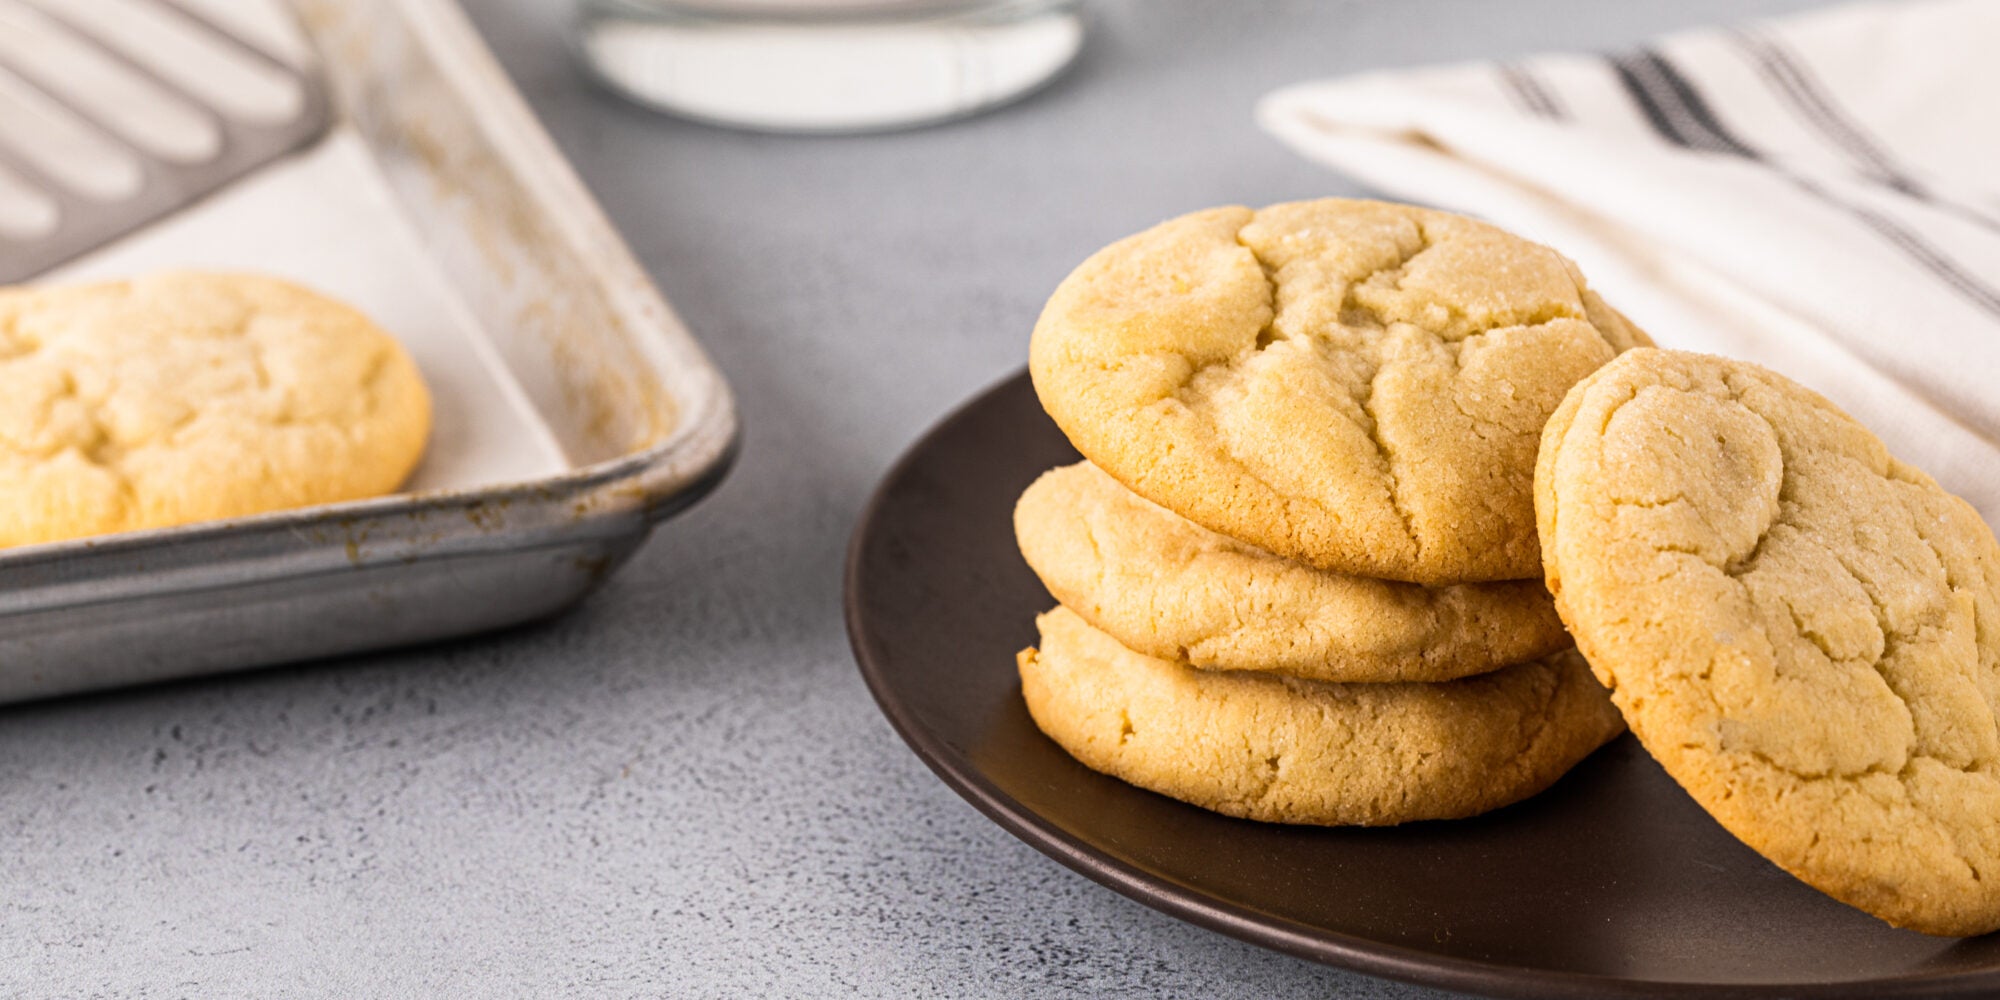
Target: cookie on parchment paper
x=187, y=396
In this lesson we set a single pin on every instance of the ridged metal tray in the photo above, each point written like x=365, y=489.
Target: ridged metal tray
x=592, y=355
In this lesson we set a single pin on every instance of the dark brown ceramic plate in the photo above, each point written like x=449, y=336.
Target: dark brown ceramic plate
x=1612, y=883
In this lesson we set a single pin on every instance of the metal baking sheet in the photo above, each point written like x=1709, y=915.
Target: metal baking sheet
x=573, y=410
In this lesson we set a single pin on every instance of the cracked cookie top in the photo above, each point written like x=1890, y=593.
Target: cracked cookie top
x=1804, y=631
x=1284, y=750
x=1167, y=587
x=1353, y=384
x=184, y=397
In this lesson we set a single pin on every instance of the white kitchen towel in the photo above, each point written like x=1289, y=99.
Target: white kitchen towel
x=1819, y=194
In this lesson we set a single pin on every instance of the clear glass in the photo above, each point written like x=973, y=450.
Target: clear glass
x=834, y=66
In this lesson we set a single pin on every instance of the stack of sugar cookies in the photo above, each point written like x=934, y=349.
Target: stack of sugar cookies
x=1299, y=573
x=1335, y=451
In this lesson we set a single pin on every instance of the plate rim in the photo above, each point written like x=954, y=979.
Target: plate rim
x=1338, y=949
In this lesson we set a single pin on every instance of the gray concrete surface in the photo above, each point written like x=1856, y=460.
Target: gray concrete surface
x=683, y=789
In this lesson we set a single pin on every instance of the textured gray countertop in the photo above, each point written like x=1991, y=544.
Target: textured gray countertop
x=683, y=789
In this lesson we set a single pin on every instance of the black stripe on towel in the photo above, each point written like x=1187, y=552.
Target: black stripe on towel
x=1917, y=248
x=1788, y=79
x=1671, y=102
x=1794, y=82
x=1521, y=81
x=1675, y=108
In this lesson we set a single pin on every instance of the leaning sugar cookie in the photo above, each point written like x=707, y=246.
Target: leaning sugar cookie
x=1283, y=750
x=184, y=397
x=1804, y=631
x=1357, y=385
x=1165, y=586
